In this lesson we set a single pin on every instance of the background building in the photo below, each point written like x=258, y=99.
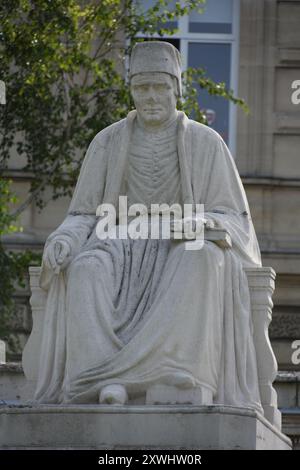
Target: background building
x=254, y=46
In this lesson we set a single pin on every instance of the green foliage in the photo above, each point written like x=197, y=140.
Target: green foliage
x=13, y=272
x=7, y=198
x=196, y=78
x=13, y=266
x=63, y=65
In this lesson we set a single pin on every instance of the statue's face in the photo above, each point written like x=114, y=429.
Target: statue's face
x=154, y=96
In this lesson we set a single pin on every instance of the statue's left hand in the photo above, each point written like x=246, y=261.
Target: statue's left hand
x=57, y=255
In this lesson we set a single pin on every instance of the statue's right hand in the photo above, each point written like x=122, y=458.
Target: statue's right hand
x=56, y=255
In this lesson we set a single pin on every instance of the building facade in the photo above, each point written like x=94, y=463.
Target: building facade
x=254, y=46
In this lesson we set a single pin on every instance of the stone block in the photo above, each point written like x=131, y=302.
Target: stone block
x=137, y=427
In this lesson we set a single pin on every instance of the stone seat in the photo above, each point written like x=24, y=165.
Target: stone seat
x=261, y=284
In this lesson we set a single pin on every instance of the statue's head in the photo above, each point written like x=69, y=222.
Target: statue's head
x=155, y=76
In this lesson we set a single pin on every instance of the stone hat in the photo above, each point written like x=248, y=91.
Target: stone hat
x=156, y=56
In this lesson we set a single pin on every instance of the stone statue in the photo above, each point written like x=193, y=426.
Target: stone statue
x=148, y=320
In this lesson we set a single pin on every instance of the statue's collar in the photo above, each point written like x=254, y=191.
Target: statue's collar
x=183, y=146
x=181, y=118
x=117, y=167
x=163, y=128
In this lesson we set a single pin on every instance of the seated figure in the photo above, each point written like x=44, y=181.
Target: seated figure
x=148, y=318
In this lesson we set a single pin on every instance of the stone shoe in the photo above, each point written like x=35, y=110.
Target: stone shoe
x=113, y=394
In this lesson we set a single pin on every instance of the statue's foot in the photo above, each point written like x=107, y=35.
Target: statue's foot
x=114, y=394
x=161, y=394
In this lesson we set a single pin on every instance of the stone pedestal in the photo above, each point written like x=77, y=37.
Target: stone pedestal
x=159, y=423
x=136, y=427
x=261, y=286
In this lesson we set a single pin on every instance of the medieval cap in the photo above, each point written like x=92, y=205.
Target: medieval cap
x=156, y=56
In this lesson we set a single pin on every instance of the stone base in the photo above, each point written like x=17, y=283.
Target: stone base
x=136, y=427
x=161, y=394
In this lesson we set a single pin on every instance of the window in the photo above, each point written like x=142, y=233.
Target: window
x=216, y=18
x=210, y=41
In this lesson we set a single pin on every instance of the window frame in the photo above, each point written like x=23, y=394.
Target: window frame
x=185, y=37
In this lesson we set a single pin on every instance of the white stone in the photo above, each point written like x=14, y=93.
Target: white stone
x=2, y=352
x=167, y=395
x=123, y=318
x=113, y=395
x=261, y=280
x=137, y=427
x=13, y=384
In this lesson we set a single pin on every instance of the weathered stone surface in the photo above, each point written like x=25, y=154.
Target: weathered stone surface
x=285, y=325
x=146, y=427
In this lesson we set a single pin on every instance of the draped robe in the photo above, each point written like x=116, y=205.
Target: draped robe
x=142, y=312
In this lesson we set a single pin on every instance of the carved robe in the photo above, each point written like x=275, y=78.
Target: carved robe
x=142, y=312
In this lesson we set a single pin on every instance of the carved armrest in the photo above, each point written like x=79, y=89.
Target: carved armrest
x=31, y=352
x=261, y=285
